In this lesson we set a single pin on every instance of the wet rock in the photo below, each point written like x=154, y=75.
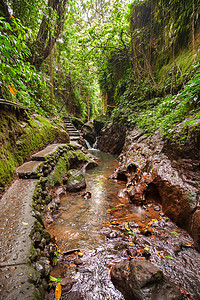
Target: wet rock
x=133, y=224
x=112, y=235
x=112, y=139
x=161, y=215
x=43, y=267
x=131, y=251
x=140, y=279
x=91, y=165
x=195, y=228
x=88, y=132
x=145, y=232
x=75, y=295
x=146, y=254
x=86, y=195
x=162, y=174
x=67, y=284
x=76, y=181
x=100, y=122
x=157, y=208
x=57, y=201
x=36, y=238
x=48, y=219
x=78, y=261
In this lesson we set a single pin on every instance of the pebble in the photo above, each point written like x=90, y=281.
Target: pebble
x=157, y=208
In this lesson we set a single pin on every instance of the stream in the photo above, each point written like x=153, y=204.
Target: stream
x=97, y=227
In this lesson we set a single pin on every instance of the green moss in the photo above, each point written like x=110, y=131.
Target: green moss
x=180, y=66
x=33, y=253
x=60, y=169
x=65, y=163
x=19, y=139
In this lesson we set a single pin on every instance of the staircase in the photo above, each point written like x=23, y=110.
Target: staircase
x=72, y=131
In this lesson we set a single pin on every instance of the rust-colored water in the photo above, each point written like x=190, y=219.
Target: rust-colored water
x=96, y=227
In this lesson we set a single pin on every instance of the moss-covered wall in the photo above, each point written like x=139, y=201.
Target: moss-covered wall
x=20, y=136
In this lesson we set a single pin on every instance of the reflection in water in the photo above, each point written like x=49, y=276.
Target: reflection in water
x=81, y=220
x=96, y=227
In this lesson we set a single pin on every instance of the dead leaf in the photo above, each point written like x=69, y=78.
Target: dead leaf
x=58, y=291
x=24, y=223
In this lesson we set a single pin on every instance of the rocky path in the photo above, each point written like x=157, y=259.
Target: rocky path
x=16, y=274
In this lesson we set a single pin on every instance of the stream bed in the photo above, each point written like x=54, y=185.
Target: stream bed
x=99, y=227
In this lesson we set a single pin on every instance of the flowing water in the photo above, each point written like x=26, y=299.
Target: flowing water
x=96, y=226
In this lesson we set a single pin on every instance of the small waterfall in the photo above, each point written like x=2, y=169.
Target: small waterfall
x=88, y=145
x=93, y=147
x=95, y=144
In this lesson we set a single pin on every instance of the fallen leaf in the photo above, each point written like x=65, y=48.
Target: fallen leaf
x=169, y=257
x=183, y=292
x=176, y=232
x=58, y=291
x=51, y=278
x=128, y=229
x=189, y=245
x=136, y=257
x=24, y=223
x=80, y=254
x=110, y=209
x=9, y=235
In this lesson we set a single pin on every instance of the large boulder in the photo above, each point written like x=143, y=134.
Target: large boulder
x=139, y=279
x=74, y=181
x=112, y=139
x=100, y=122
x=88, y=132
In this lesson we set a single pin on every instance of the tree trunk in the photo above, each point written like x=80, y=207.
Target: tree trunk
x=4, y=10
x=88, y=106
x=51, y=76
x=193, y=33
x=47, y=35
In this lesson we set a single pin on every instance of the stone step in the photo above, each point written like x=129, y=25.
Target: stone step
x=29, y=169
x=72, y=138
x=16, y=225
x=72, y=127
x=73, y=131
x=42, y=155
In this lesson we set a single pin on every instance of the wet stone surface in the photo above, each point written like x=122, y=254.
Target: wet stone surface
x=107, y=229
x=16, y=225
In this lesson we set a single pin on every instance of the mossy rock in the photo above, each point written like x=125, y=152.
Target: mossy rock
x=100, y=122
x=75, y=181
x=78, y=123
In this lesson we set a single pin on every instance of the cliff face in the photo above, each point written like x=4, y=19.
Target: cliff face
x=157, y=171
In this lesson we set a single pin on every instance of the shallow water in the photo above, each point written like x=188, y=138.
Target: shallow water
x=96, y=227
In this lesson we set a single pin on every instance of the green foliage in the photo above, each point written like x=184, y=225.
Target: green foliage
x=173, y=110
x=25, y=84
